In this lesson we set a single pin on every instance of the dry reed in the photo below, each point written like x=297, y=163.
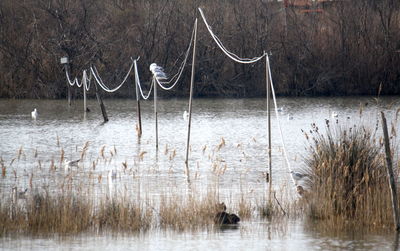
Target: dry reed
x=349, y=182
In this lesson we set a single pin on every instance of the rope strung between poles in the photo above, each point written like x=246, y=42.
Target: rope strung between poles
x=157, y=70
x=98, y=79
x=137, y=81
x=279, y=122
x=84, y=79
x=231, y=55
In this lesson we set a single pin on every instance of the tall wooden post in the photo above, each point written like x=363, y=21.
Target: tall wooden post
x=269, y=125
x=100, y=101
x=191, y=93
x=66, y=66
x=391, y=178
x=138, y=100
x=155, y=109
x=84, y=92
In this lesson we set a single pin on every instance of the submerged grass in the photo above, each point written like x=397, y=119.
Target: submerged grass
x=348, y=178
x=348, y=185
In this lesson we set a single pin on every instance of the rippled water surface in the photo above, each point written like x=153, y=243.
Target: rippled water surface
x=227, y=134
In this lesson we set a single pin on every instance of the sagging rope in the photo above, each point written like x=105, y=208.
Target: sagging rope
x=85, y=80
x=231, y=55
x=98, y=79
x=180, y=70
x=137, y=82
x=279, y=122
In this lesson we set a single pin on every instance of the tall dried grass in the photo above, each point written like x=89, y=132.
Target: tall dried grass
x=349, y=182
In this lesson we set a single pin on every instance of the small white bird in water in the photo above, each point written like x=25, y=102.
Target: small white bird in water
x=334, y=114
x=298, y=176
x=68, y=164
x=158, y=71
x=34, y=114
x=185, y=115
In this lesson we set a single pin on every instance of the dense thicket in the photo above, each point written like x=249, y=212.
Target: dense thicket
x=351, y=47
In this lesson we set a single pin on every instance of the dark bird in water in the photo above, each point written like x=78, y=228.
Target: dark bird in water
x=224, y=218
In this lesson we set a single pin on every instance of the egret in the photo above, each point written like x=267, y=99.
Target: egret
x=34, y=114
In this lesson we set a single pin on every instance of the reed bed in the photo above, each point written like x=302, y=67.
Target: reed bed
x=348, y=184
x=70, y=200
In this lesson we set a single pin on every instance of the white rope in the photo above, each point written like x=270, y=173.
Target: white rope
x=101, y=83
x=84, y=81
x=137, y=81
x=231, y=55
x=180, y=70
x=279, y=122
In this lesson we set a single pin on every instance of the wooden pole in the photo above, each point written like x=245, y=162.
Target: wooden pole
x=68, y=85
x=84, y=96
x=191, y=93
x=138, y=102
x=269, y=180
x=100, y=101
x=389, y=166
x=155, y=109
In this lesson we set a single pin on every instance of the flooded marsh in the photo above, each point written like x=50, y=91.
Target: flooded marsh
x=124, y=192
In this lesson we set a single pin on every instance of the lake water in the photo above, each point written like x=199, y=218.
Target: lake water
x=228, y=136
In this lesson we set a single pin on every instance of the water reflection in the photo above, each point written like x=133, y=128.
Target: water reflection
x=146, y=172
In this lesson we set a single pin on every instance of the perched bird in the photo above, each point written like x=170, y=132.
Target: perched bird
x=34, y=114
x=224, y=218
x=158, y=71
x=68, y=164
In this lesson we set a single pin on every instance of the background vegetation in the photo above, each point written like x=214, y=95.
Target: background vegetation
x=342, y=48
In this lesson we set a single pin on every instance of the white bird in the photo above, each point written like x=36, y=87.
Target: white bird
x=289, y=117
x=34, y=114
x=334, y=114
x=298, y=176
x=68, y=164
x=158, y=71
x=185, y=115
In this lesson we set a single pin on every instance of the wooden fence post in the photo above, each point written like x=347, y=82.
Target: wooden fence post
x=391, y=178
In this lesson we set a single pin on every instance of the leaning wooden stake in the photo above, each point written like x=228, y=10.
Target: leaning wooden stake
x=269, y=176
x=155, y=109
x=100, y=101
x=191, y=94
x=389, y=166
x=138, y=102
